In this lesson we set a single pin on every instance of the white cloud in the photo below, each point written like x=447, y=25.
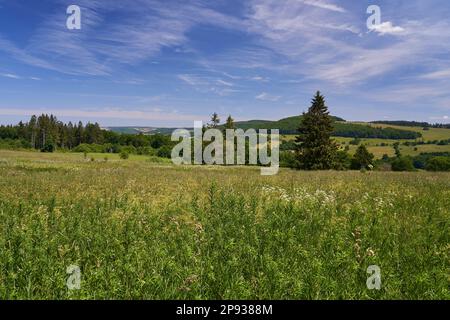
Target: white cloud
x=260, y=79
x=267, y=97
x=224, y=83
x=441, y=74
x=441, y=119
x=10, y=75
x=387, y=28
x=324, y=5
x=190, y=79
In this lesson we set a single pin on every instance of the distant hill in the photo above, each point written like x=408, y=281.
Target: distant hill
x=290, y=125
x=140, y=130
x=413, y=124
x=342, y=128
x=286, y=126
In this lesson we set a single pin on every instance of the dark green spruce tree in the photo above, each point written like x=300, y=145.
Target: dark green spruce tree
x=315, y=148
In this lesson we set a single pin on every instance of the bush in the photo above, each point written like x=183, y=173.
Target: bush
x=343, y=161
x=128, y=149
x=13, y=144
x=165, y=152
x=48, y=147
x=82, y=148
x=124, y=155
x=145, y=151
x=288, y=159
x=438, y=164
x=403, y=164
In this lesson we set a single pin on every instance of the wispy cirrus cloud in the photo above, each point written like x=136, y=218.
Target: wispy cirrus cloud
x=100, y=47
x=267, y=97
x=10, y=75
x=324, y=5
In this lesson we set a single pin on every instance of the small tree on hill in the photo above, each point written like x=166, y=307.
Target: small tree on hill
x=215, y=120
x=315, y=148
x=229, y=124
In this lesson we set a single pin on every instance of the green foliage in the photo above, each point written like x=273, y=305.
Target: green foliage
x=40, y=131
x=398, y=153
x=402, y=164
x=158, y=140
x=124, y=155
x=215, y=120
x=89, y=148
x=421, y=160
x=288, y=159
x=316, y=150
x=14, y=144
x=438, y=164
x=165, y=152
x=362, y=159
x=343, y=161
x=229, y=124
x=49, y=146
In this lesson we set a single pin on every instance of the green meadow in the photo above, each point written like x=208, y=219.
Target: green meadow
x=145, y=229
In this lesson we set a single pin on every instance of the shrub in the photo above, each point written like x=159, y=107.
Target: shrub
x=48, y=147
x=343, y=161
x=403, y=164
x=438, y=164
x=87, y=148
x=128, y=149
x=124, y=155
x=165, y=152
x=145, y=151
x=288, y=159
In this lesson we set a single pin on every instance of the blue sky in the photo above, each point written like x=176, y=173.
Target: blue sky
x=168, y=63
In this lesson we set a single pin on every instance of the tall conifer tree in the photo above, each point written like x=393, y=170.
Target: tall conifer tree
x=315, y=148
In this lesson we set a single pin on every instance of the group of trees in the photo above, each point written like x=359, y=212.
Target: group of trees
x=47, y=133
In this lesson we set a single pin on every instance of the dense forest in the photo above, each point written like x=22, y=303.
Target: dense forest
x=47, y=133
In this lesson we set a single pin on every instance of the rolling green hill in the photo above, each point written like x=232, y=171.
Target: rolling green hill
x=289, y=126
x=342, y=128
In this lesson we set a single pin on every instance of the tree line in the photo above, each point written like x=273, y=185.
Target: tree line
x=47, y=133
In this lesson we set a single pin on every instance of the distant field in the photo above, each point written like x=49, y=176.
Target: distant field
x=428, y=135
x=374, y=144
x=143, y=230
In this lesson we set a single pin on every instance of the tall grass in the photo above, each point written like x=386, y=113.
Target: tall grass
x=140, y=230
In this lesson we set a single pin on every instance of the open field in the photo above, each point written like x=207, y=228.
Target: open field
x=155, y=231
x=428, y=135
x=374, y=145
